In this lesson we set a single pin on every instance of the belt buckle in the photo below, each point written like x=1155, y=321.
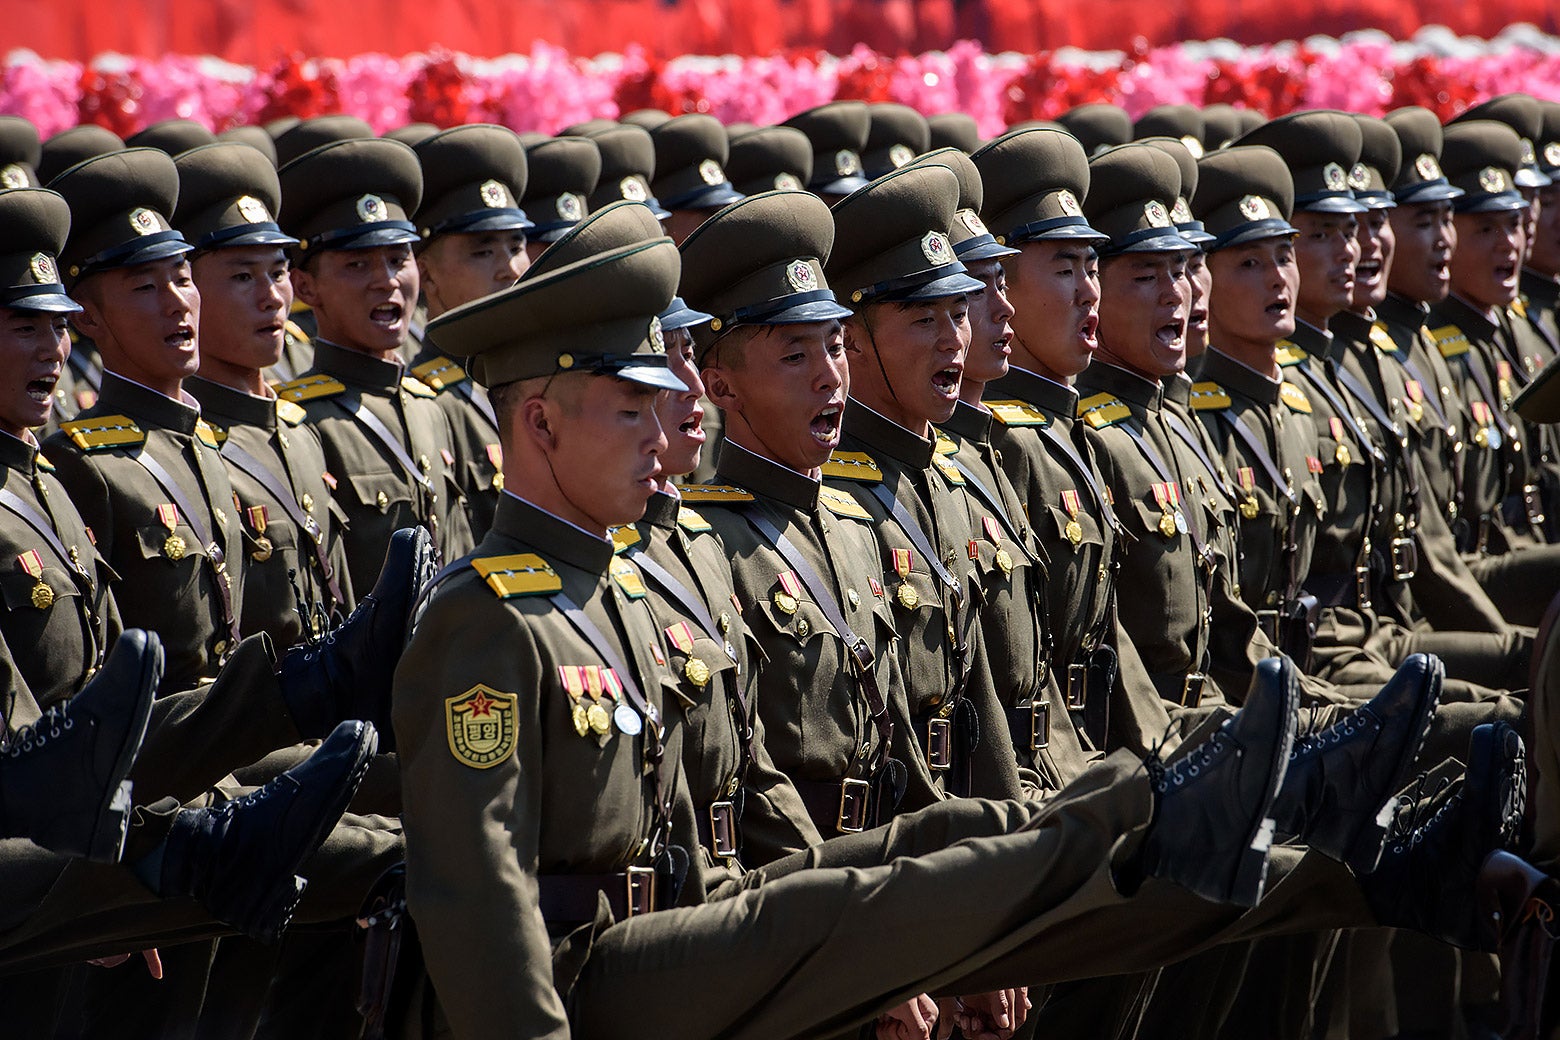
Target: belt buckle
x=723, y=829
x=1405, y=559
x=639, y=885
x=1039, y=726
x=1533, y=505
x=1362, y=586
x=1077, y=687
x=1192, y=689
x=1267, y=621
x=939, y=744
x=855, y=800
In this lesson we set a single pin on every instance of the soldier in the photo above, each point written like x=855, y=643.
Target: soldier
x=953, y=130
x=690, y=174
x=582, y=439
x=768, y=158
x=627, y=165
x=387, y=443
x=838, y=132
x=1541, y=272
x=1184, y=123
x=73, y=145
x=561, y=175
x=473, y=243
x=896, y=134
x=1097, y=125
x=173, y=136
x=295, y=568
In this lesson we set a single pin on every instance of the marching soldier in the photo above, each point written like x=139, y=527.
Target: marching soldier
x=561, y=175
x=690, y=171
x=838, y=133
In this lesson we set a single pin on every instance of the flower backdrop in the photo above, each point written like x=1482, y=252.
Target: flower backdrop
x=547, y=88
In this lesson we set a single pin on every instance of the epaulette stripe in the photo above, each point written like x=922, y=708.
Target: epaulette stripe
x=1102, y=410
x=852, y=465
x=309, y=388
x=109, y=431
x=522, y=574
x=1208, y=397
x=440, y=374
x=713, y=493
x=841, y=504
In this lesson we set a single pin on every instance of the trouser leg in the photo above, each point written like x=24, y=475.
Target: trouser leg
x=1521, y=582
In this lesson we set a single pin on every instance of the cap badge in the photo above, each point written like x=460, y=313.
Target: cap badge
x=1359, y=177
x=1193, y=145
x=847, y=163
x=974, y=223
x=800, y=275
x=1068, y=203
x=569, y=206
x=1492, y=180
x=1253, y=208
x=1155, y=213
x=43, y=269
x=494, y=195
x=711, y=173
x=143, y=221
x=1552, y=153
x=13, y=176
x=1528, y=156
x=1334, y=177
x=371, y=209
x=934, y=246
x=1426, y=166
x=252, y=209
x=900, y=155
x=633, y=189
x=1181, y=213
x=787, y=182
x=657, y=337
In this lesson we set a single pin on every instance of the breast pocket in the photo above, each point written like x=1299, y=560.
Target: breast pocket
x=380, y=492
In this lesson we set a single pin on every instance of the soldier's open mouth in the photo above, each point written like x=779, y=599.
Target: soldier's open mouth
x=1198, y=319
x=1367, y=271
x=41, y=390
x=946, y=382
x=1279, y=307
x=825, y=426
x=1171, y=333
x=386, y=314
x=1088, y=327
x=181, y=338
x=693, y=426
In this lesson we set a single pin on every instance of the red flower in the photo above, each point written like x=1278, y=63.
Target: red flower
x=300, y=87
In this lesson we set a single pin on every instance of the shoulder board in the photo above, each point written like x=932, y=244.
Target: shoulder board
x=1518, y=307
x=44, y=464
x=1016, y=413
x=1209, y=397
x=1102, y=410
x=713, y=493
x=1450, y=340
x=106, y=431
x=523, y=574
x=309, y=388
x=290, y=413
x=293, y=329
x=209, y=435
x=1294, y=398
x=949, y=470
x=1381, y=339
x=1288, y=354
x=853, y=465
x=841, y=504
x=624, y=538
x=439, y=374
x=415, y=387
x=689, y=520
x=945, y=444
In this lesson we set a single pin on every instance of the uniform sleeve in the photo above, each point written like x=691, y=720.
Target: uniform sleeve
x=454, y=528
x=775, y=823
x=472, y=833
x=1444, y=590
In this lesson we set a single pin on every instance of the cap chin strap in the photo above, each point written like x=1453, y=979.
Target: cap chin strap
x=877, y=355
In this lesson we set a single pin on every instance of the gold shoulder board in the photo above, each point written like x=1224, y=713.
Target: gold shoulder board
x=1102, y=410
x=713, y=493
x=1381, y=339
x=290, y=413
x=624, y=537
x=293, y=329
x=1450, y=340
x=309, y=388
x=415, y=387
x=853, y=465
x=209, y=435
x=945, y=444
x=44, y=464
x=439, y=374
x=1288, y=354
x=689, y=520
x=1016, y=413
x=949, y=470
x=523, y=574
x=1518, y=307
x=1209, y=397
x=841, y=504
x=1294, y=398
x=106, y=431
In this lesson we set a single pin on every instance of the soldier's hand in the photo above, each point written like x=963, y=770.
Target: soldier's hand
x=912, y=1020
x=152, y=957
x=985, y=1016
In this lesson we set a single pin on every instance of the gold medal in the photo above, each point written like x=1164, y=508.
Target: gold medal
x=600, y=721
x=908, y=597
x=579, y=718
x=1481, y=437
x=1167, y=524
x=1249, y=508
x=42, y=596
x=1074, y=533
x=1005, y=561
x=785, y=602
x=1342, y=454
x=696, y=671
x=174, y=547
x=263, y=549
x=1416, y=411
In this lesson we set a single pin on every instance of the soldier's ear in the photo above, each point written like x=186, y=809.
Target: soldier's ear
x=535, y=423
x=720, y=391
x=304, y=287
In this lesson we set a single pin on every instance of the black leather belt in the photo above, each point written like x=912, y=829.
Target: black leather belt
x=572, y=898
x=719, y=827
x=838, y=806
x=1031, y=722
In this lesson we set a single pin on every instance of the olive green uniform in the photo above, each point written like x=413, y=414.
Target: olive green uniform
x=180, y=576
x=479, y=464
x=297, y=538
x=381, y=489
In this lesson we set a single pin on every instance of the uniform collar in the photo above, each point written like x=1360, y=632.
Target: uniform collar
x=661, y=511
x=1399, y=310
x=226, y=406
x=557, y=538
x=752, y=472
x=144, y=404
x=969, y=423
x=17, y=454
x=1540, y=288
x=1465, y=316
x=355, y=367
x=1351, y=327
x=1178, y=389
x=1243, y=379
x=1129, y=386
x=1314, y=341
x=880, y=433
x=1058, y=400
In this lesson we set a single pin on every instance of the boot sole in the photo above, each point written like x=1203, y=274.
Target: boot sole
x=112, y=821
x=1364, y=852
x=1250, y=875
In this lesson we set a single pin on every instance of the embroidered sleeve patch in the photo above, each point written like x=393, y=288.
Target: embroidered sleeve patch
x=481, y=725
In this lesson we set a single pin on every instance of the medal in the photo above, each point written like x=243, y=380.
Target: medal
x=32, y=563
x=1341, y=454
x=785, y=603
x=1167, y=514
x=258, y=520
x=904, y=560
x=790, y=592
x=1073, y=529
x=578, y=717
x=1249, y=508
x=1005, y=561
x=262, y=550
x=628, y=721
x=1074, y=533
x=600, y=721
x=173, y=546
x=696, y=672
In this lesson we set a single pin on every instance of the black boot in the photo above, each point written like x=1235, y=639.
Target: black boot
x=1338, y=794
x=1429, y=872
x=346, y=675
x=240, y=860
x=1213, y=814
x=62, y=779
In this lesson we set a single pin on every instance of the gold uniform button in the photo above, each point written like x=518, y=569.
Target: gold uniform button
x=307, y=502
x=803, y=629
x=855, y=600
x=381, y=500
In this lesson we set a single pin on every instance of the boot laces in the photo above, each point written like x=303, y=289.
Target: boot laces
x=1335, y=734
x=1189, y=768
x=55, y=723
